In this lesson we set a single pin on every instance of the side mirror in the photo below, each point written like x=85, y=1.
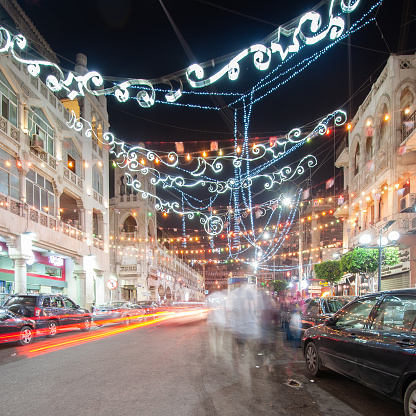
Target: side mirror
x=78, y=306
x=329, y=321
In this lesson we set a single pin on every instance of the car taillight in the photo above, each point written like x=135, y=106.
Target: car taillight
x=37, y=311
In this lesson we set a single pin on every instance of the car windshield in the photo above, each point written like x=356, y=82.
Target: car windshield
x=21, y=300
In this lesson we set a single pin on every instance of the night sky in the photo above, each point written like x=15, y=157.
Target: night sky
x=135, y=39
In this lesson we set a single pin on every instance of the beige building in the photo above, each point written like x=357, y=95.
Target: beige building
x=53, y=183
x=379, y=163
x=144, y=268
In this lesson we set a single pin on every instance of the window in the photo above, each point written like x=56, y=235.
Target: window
x=38, y=124
x=97, y=134
x=56, y=302
x=313, y=308
x=369, y=148
x=356, y=314
x=8, y=100
x=39, y=192
x=46, y=303
x=72, y=157
x=357, y=160
x=9, y=175
x=69, y=303
x=97, y=180
x=384, y=125
x=130, y=225
x=396, y=313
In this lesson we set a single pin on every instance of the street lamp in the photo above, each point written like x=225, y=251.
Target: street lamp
x=382, y=241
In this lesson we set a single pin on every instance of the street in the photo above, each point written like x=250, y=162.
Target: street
x=171, y=367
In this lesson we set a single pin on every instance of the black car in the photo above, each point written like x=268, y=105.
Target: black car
x=16, y=328
x=371, y=340
x=315, y=311
x=50, y=312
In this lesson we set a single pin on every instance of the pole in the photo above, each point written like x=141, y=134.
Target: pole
x=379, y=261
x=300, y=254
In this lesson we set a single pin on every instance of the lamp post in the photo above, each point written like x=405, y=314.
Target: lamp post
x=393, y=236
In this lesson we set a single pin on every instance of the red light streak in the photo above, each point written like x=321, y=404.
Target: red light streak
x=30, y=351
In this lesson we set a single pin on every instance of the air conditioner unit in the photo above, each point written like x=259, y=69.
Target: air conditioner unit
x=407, y=202
x=37, y=143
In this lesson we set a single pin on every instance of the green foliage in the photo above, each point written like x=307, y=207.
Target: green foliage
x=390, y=256
x=279, y=285
x=365, y=260
x=360, y=260
x=329, y=271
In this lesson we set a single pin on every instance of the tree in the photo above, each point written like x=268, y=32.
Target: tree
x=365, y=260
x=329, y=271
x=279, y=285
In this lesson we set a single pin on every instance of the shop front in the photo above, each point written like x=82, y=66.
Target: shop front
x=45, y=273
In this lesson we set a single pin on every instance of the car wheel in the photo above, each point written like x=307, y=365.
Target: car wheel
x=410, y=400
x=86, y=325
x=127, y=320
x=52, y=329
x=25, y=336
x=313, y=362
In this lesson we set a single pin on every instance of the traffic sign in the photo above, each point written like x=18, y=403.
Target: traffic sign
x=112, y=284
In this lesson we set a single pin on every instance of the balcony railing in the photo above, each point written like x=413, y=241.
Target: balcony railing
x=39, y=217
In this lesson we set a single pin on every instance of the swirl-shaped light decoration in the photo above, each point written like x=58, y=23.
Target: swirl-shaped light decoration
x=308, y=30
x=309, y=23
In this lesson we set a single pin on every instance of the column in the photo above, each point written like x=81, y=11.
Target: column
x=20, y=276
x=80, y=276
x=20, y=250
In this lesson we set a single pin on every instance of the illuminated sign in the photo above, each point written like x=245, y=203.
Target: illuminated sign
x=56, y=261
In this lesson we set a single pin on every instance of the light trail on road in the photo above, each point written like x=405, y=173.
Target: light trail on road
x=30, y=352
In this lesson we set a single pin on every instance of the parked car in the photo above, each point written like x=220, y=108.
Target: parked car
x=149, y=306
x=16, y=328
x=315, y=311
x=371, y=340
x=50, y=312
x=116, y=312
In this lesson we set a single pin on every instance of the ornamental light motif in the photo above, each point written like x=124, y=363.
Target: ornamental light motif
x=309, y=29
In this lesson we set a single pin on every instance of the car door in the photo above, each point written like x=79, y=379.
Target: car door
x=308, y=316
x=338, y=341
x=7, y=326
x=59, y=310
x=73, y=313
x=386, y=348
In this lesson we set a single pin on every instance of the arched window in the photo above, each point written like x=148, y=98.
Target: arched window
x=129, y=225
x=384, y=125
x=357, y=160
x=369, y=148
x=406, y=101
x=97, y=180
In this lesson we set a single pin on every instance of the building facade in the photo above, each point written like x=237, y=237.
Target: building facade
x=144, y=268
x=53, y=182
x=379, y=163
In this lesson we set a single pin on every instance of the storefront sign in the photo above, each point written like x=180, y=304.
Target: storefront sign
x=402, y=266
x=56, y=261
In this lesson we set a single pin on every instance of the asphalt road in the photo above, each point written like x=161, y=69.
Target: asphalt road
x=174, y=367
